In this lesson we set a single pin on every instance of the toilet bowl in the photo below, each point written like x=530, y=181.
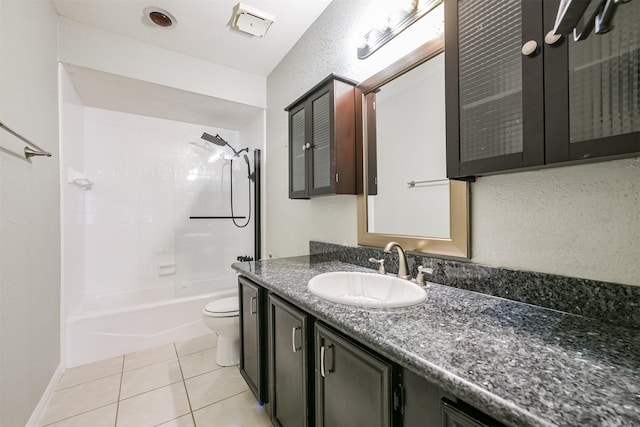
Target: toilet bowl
x=222, y=317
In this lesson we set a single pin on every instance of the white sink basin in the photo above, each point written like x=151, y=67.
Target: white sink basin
x=366, y=289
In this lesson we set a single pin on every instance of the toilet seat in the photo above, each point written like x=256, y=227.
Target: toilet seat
x=225, y=307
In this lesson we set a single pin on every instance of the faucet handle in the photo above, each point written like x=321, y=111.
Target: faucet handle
x=421, y=271
x=381, y=269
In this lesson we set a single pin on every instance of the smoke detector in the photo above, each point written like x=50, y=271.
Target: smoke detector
x=251, y=20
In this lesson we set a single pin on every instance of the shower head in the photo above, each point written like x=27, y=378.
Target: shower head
x=252, y=175
x=215, y=139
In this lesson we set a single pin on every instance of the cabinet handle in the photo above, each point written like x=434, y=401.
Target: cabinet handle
x=254, y=305
x=293, y=339
x=530, y=48
x=323, y=370
x=552, y=38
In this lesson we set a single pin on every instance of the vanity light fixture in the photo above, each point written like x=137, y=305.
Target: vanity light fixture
x=251, y=20
x=395, y=24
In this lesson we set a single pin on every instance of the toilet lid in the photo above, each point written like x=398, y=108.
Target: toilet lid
x=224, y=307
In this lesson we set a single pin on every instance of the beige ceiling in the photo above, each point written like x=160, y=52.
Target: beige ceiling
x=203, y=29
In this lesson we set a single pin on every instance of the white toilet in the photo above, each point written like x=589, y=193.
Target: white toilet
x=222, y=317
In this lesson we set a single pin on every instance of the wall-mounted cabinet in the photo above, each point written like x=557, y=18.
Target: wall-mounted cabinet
x=322, y=149
x=517, y=97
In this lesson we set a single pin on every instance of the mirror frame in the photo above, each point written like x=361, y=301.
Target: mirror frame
x=458, y=244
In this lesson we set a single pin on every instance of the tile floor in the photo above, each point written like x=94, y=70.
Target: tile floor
x=176, y=385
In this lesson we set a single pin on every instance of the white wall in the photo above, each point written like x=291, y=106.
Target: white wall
x=577, y=221
x=329, y=46
x=29, y=209
x=581, y=221
x=86, y=46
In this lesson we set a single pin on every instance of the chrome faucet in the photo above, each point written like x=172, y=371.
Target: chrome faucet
x=402, y=259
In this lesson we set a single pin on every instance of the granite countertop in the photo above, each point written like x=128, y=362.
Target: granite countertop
x=521, y=364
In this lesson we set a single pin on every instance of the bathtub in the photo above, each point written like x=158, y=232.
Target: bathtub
x=104, y=326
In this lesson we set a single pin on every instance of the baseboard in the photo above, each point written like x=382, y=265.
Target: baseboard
x=38, y=412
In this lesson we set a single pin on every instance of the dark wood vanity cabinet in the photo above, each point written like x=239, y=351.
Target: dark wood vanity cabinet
x=288, y=365
x=253, y=344
x=509, y=108
x=319, y=377
x=353, y=386
x=322, y=146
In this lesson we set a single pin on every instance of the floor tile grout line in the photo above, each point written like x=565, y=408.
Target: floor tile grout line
x=86, y=382
x=226, y=398
x=119, y=392
x=194, y=352
x=150, y=364
x=78, y=414
x=219, y=368
x=184, y=383
x=150, y=390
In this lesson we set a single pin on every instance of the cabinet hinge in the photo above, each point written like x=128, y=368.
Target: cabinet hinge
x=398, y=399
x=337, y=178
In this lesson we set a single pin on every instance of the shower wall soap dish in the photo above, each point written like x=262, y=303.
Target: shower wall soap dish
x=80, y=179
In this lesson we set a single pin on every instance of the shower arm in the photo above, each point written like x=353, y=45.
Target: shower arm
x=218, y=140
x=237, y=153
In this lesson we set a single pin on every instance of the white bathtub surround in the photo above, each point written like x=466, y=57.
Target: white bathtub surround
x=106, y=326
x=129, y=242
x=155, y=389
x=151, y=176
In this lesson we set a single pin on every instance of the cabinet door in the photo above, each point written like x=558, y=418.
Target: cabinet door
x=298, y=153
x=592, y=90
x=252, y=337
x=322, y=169
x=288, y=356
x=421, y=401
x=353, y=387
x=494, y=92
x=454, y=415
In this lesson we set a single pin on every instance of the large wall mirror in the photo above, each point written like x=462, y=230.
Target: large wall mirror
x=406, y=195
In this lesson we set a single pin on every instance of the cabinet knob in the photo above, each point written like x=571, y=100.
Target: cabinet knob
x=530, y=48
x=307, y=146
x=552, y=38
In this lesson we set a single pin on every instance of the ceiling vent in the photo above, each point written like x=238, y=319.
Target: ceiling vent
x=251, y=20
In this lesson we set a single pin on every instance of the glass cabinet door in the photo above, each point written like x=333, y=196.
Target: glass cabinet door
x=297, y=154
x=499, y=121
x=490, y=80
x=600, y=84
x=604, y=97
x=321, y=144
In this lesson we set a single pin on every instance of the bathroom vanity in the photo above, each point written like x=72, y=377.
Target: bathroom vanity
x=458, y=359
